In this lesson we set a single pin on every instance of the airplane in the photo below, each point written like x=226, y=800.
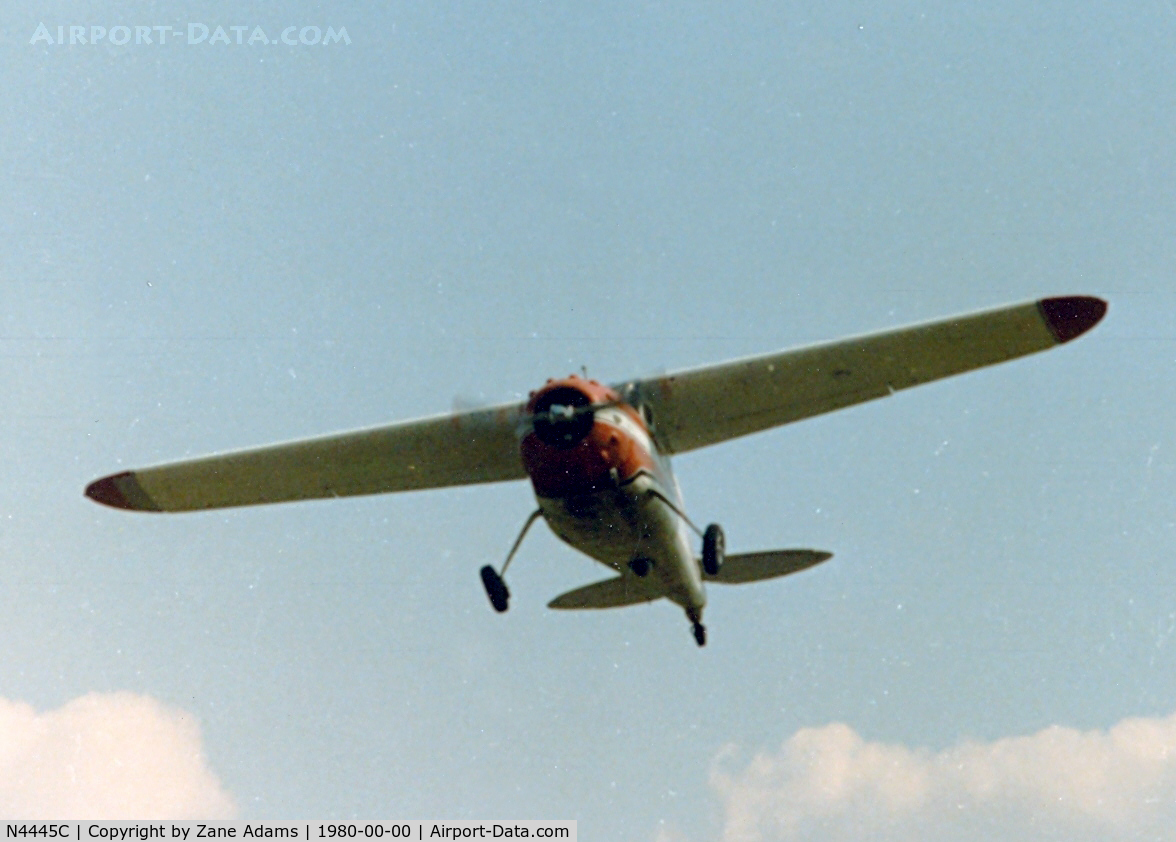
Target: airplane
x=598, y=456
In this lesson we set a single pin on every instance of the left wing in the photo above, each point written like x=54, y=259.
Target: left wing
x=708, y=405
x=468, y=447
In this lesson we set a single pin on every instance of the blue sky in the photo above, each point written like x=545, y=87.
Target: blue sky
x=206, y=247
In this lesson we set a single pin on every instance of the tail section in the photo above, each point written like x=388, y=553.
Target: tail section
x=736, y=570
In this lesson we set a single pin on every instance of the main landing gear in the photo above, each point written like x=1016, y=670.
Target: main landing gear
x=496, y=589
x=713, y=549
x=493, y=582
x=713, y=555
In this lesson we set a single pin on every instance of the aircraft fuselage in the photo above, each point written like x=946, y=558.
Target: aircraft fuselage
x=605, y=488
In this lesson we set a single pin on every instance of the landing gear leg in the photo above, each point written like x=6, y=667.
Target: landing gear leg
x=713, y=543
x=493, y=582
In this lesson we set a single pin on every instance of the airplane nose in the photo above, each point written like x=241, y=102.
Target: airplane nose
x=563, y=417
x=593, y=462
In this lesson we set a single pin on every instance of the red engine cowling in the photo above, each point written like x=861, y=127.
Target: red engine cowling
x=570, y=449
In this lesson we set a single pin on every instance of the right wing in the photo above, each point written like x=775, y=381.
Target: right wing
x=708, y=405
x=468, y=447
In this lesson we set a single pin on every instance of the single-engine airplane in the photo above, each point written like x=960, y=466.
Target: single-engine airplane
x=598, y=456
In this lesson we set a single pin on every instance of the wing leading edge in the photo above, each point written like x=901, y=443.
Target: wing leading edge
x=470, y=447
x=708, y=405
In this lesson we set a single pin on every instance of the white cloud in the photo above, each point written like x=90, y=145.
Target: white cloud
x=1058, y=784
x=105, y=756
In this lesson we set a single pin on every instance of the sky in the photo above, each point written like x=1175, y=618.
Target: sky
x=212, y=246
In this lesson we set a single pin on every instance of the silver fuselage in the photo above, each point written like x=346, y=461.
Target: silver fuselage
x=632, y=522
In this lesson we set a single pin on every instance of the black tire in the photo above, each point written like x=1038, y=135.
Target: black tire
x=495, y=589
x=640, y=567
x=713, y=549
x=700, y=634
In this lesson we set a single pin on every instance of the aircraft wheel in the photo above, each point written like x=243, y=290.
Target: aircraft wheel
x=495, y=589
x=700, y=634
x=713, y=550
x=640, y=566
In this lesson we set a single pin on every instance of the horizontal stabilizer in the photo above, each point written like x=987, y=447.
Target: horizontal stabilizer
x=755, y=567
x=611, y=593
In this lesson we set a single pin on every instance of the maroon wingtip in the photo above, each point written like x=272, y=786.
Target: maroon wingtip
x=107, y=492
x=1070, y=317
x=122, y=491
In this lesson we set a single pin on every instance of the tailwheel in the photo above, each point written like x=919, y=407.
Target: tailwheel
x=713, y=550
x=700, y=634
x=495, y=589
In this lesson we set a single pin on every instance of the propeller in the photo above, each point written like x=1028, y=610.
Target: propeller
x=564, y=416
x=570, y=412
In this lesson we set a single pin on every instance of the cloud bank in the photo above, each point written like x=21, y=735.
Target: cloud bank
x=105, y=756
x=1058, y=784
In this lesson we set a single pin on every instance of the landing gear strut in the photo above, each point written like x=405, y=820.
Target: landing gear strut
x=495, y=586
